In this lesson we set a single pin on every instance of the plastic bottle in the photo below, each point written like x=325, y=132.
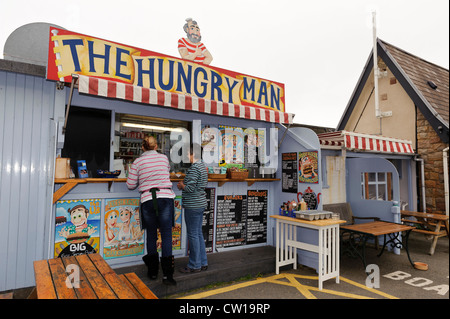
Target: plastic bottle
x=302, y=205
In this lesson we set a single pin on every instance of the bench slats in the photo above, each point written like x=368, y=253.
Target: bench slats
x=102, y=289
x=130, y=285
x=54, y=280
x=120, y=288
x=8, y=295
x=59, y=275
x=85, y=291
x=44, y=283
x=142, y=289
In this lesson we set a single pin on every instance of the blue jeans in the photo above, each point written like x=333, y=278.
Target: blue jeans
x=163, y=221
x=197, y=252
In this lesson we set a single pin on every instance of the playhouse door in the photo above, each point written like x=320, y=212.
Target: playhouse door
x=372, y=186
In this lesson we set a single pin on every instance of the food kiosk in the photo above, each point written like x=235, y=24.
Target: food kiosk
x=240, y=121
x=105, y=96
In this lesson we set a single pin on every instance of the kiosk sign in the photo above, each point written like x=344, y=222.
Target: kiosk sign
x=73, y=53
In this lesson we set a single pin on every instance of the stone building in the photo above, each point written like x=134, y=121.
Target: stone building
x=414, y=104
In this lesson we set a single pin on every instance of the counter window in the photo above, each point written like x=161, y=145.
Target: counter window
x=129, y=131
x=87, y=139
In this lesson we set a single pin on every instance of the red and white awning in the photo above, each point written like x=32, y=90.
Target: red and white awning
x=365, y=142
x=117, y=90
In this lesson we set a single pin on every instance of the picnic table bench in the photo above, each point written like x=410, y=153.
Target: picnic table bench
x=428, y=224
x=85, y=277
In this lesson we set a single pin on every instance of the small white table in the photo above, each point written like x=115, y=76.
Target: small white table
x=327, y=249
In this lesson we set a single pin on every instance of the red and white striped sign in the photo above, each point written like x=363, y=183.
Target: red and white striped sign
x=112, y=89
x=365, y=142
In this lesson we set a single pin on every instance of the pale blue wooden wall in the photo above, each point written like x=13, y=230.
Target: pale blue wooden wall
x=27, y=141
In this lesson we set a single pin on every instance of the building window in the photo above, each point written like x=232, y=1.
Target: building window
x=377, y=186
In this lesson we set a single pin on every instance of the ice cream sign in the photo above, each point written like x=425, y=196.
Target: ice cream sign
x=74, y=53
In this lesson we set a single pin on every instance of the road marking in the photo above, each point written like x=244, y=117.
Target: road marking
x=292, y=281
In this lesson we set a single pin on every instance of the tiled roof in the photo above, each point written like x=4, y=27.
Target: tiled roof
x=417, y=77
x=420, y=72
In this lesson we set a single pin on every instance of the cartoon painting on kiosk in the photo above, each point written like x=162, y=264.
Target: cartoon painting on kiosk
x=77, y=226
x=308, y=167
x=123, y=235
x=231, y=146
x=191, y=48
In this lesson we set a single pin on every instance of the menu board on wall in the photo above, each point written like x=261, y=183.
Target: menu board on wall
x=289, y=171
x=208, y=219
x=256, y=216
x=241, y=219
x=231, y=220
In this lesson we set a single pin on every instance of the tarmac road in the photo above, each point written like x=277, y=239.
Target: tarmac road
x=392, y=275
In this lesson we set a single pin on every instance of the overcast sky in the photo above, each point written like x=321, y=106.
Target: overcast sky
x=316, y=48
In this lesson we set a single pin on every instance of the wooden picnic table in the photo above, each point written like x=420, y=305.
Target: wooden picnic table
x=85, y=276
x=360, y=233
x=428, y=224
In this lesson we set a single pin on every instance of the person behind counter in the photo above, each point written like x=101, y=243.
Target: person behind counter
x=150, y=174
x=194, y=203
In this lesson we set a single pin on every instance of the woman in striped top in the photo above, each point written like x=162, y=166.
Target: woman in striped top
x=150, y=174
x=194, y=203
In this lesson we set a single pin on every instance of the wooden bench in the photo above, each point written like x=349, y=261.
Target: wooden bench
x=7, y=295
x=428, y=224
x=84, y=277
x=139, y=288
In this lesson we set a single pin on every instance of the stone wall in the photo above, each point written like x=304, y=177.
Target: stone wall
x=430, y=147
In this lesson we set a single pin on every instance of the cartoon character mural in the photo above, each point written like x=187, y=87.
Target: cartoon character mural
x=123, y=233
x=191, y=48
x=77, y=227
x=308, y=167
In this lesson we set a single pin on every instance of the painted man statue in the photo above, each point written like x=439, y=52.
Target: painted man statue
x=191, y=48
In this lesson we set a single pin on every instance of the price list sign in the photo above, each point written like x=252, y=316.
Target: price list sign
x=256, y=216
x=208, y=219
x=289, y=172
x=231, y=220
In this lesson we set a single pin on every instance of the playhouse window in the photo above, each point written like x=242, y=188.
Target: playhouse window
x=377, y=186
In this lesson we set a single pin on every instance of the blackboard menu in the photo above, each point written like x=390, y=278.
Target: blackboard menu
x=256, y=216
x=231, y=220
x=208, y=219
x=289, y=172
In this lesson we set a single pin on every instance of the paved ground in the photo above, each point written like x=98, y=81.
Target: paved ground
x=397, y=279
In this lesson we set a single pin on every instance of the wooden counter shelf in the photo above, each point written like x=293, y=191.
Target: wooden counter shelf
x=69, y=183
x=250, y=181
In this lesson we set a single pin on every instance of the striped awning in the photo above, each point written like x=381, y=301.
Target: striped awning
x=117, y=90
x=365, y=142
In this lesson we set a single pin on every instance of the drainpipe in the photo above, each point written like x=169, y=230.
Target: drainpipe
x=375, y=68
x=445, y=163
x=422, y=177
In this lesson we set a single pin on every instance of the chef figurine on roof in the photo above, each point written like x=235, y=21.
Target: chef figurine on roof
x=191, y=48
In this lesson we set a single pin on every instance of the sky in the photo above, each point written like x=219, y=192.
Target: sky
x=317, y=49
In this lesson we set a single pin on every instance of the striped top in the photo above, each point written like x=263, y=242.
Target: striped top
x=183, y=43
x=150, y=170
x=194, y=195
